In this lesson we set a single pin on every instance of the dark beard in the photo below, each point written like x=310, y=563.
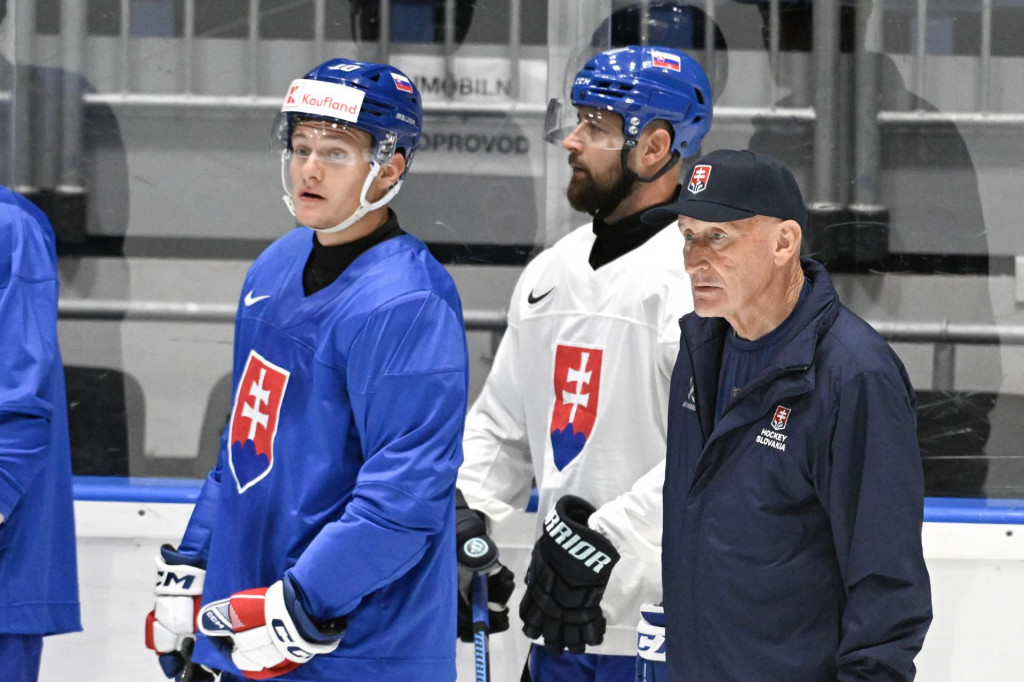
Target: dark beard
x=587, y=196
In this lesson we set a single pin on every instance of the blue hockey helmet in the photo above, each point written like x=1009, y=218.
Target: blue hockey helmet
x=375, y=98
x=642, y=84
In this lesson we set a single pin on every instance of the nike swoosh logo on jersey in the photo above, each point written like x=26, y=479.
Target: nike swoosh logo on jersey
x=531, y=299
x=250, y=299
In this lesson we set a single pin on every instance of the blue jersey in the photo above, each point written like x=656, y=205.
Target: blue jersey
x=339, y=460
x=38, y=574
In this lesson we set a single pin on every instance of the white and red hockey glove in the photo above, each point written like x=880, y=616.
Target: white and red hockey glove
x=171, y=625
x=266, y=632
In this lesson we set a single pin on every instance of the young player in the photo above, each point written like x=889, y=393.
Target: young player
x=577, y=396
x=38, y=574
x=322, y=542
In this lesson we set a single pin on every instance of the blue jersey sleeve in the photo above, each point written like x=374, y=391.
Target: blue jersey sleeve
x=28, y=348
x=407, y=381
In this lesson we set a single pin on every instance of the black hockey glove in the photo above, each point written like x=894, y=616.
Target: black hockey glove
x=476, y=553
x=569, y=570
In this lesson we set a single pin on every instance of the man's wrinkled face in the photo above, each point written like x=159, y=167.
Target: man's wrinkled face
x=730, y=264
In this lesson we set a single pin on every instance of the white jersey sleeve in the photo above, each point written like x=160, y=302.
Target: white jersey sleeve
x=496, y=473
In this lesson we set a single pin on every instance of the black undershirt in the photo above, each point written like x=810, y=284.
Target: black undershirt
x=619, y=238
x=326, y=263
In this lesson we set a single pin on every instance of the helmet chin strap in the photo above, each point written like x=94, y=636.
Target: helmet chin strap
x=623, y=187
x=364, y=206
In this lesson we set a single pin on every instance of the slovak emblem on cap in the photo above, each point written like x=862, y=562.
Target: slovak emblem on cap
x=699, y=178
x=780, y=418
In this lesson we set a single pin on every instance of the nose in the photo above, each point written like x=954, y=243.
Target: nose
x=572, y=141
x=694, y=257
x=312, y=169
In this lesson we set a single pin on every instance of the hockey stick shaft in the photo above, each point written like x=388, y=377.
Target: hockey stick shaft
x=481, y=628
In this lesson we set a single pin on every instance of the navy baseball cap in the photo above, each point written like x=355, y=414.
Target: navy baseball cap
x=732, y=184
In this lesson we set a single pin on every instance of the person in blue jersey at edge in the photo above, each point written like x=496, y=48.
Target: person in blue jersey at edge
x=322, y=545
x=576, y=397
x=38, y=571
x=794, y=492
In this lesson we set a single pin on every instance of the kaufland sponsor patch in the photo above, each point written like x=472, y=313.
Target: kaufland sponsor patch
x=319, y=98
x=401, y=82
x=665, y=60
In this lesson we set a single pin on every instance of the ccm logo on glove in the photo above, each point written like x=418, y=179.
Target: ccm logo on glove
x=571, y=542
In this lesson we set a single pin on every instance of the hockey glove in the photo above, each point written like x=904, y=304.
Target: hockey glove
x=565, y=582
x=266, y=632
x=171, y=625
x=650, y=644
x=478, y=553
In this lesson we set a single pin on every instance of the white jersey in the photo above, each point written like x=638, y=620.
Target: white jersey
x=578, y=399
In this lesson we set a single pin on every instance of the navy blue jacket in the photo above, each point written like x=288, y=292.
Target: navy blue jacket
x=792, y=540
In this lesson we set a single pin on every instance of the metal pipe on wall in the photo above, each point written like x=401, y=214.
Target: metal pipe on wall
x=319, y=31
x=23, y=156
x=384, y=35
x=920, y=49
x=124, y=46
x=985, y=58
x=68, y=212
x=253, y=47
x=189, y=47
x=72, y=30
x=867, y=138
x=515, y=39
x=826, y=103
x=449, y=46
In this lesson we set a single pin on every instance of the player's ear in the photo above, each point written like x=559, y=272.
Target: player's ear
x=393, y=170
x=787, y=240
x=387, y=176
x=656, y=145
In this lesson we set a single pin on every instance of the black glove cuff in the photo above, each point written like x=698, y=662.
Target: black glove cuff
x=581, y=555
x=476, y=550
x=175, y=558
x=469, y=523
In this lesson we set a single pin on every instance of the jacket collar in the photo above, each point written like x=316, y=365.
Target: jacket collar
x=704, y=338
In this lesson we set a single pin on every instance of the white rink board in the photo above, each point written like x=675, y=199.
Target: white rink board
x=977, y=575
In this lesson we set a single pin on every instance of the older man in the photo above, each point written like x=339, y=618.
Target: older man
x=793, y=491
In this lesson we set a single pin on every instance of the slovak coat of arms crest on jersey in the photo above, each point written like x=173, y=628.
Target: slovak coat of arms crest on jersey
x=254, y=420
x=577, y=385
